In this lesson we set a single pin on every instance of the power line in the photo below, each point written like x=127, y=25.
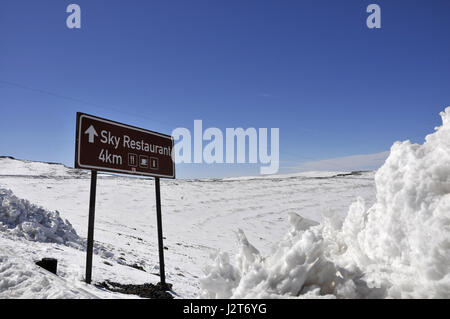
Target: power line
x=119, y=110
x=81, y=101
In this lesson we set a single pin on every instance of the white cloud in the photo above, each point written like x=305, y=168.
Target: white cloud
x=347, y=163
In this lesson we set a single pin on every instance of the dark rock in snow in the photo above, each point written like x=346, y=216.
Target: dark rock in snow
x=138, y=267
x=145, y=291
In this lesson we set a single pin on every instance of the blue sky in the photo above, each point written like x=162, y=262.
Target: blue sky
x=311, y=68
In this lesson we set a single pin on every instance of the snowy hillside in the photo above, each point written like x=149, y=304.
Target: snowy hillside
x=307, y=235
x=200, y=217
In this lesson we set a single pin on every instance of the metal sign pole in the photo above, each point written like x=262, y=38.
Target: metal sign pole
x=160, y=233
x=90, y=237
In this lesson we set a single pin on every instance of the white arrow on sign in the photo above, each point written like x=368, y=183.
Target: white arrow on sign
x=92, y=133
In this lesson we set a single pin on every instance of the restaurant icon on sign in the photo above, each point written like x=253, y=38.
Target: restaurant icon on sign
x=132, y=160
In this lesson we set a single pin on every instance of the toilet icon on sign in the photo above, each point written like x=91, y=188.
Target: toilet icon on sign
x=154, y=163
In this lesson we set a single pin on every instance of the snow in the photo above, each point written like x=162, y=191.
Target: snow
x=398, y=248
x=19, y=217
x=310, y=174
x=346, y=235
x=37, y=169
x=193, y=213
x=22, y=279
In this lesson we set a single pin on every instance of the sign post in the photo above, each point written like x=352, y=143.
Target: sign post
x=160, y=233
x=108, y=146
x=90, y=237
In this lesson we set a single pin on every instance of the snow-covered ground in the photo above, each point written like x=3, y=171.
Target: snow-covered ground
x=315, y=234
x=200, y=217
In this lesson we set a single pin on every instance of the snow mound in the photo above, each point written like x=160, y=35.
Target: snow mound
x=398, y=248
x=21, y=218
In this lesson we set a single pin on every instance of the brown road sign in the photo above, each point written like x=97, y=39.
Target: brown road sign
x=109, y=146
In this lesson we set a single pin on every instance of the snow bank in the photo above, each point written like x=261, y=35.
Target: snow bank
x=398, y=248
x=21, y=218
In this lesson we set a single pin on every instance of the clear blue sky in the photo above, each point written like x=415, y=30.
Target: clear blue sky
x=311, y=68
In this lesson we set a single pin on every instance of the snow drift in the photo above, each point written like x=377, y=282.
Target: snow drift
x=19, y=217
x=398, y=248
